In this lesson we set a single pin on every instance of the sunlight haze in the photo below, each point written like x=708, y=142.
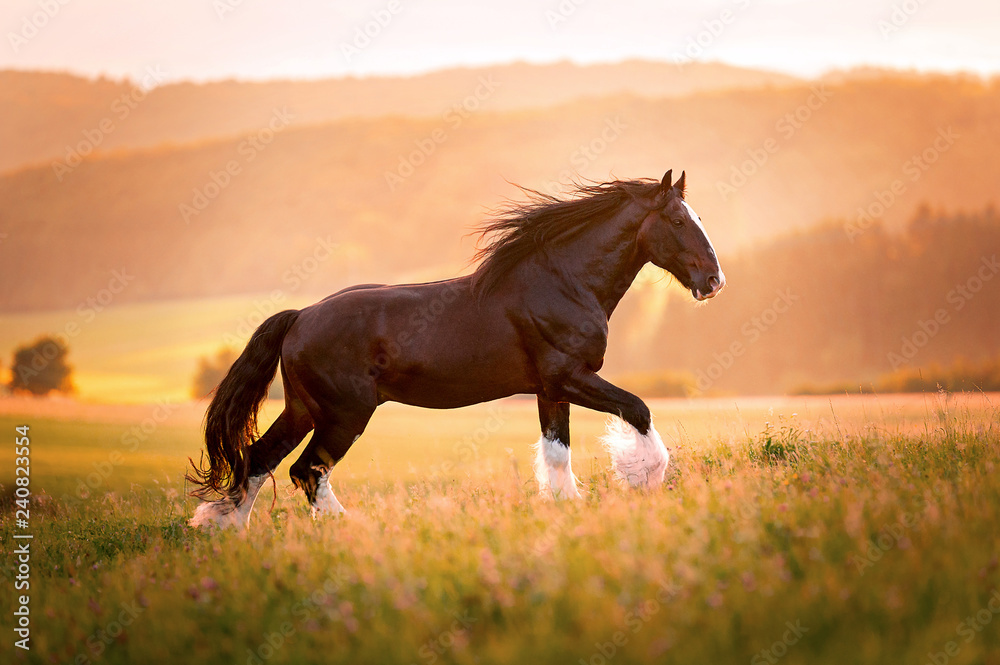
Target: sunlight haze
x=252, y=39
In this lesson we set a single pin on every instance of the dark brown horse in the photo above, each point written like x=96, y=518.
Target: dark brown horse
x=532, y=319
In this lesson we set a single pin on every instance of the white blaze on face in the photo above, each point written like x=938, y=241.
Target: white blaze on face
x=697, y=220
x=553, y=469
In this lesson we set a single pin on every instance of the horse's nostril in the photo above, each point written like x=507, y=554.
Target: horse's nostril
x=713, y=282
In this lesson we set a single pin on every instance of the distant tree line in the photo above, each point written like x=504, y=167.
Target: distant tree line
x=820, y=308
x=961, y=376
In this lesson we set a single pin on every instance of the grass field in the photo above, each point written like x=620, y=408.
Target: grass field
x=792, y=530
x=140, y=352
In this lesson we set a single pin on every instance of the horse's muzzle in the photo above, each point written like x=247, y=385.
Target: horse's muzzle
x=712, y=286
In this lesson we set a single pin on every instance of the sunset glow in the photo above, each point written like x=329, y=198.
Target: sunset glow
x=252, y=39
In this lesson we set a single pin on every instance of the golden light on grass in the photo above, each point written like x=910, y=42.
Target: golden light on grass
x=866, y=523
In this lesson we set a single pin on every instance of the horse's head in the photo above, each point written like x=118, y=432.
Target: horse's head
x=672, y=237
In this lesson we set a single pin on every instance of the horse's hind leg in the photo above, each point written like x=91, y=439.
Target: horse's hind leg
x=331, y=440
x=279, y=440
x=552, y=459
x=265, y=454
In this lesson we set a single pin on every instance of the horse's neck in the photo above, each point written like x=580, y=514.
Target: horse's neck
x=605, y=259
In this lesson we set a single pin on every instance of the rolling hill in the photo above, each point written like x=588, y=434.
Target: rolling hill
x=43, y=116
x=391, y=198
x=848, y=211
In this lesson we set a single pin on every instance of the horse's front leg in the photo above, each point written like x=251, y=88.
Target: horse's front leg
x=553, y=468
x=638, y=455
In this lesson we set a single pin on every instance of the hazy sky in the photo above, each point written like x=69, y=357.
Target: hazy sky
x=213, y=39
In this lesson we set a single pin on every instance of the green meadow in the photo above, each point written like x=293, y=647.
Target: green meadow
x=792, y=530
x=140, y=352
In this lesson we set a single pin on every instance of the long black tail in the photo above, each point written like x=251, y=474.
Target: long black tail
x=231, y=422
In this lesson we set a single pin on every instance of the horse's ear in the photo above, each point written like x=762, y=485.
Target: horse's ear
x=665, y=183
x=680, y=184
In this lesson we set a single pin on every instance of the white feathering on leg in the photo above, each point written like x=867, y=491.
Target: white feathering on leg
x=223, y=514
x=640, y=460
x=326, y=500
x=554, y=470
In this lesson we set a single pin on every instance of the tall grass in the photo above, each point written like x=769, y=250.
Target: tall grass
x=853, y=542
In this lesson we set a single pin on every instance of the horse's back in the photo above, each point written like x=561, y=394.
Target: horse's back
x=434, y=344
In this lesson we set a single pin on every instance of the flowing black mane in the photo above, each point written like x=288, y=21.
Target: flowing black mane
x=520, y=229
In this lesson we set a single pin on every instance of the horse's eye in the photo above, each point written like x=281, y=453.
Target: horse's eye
x=677, y=222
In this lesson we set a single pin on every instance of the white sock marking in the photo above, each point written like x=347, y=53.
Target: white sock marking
x=326, y=500
x=554, y=470
x=639, y=460
x=224, y=513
